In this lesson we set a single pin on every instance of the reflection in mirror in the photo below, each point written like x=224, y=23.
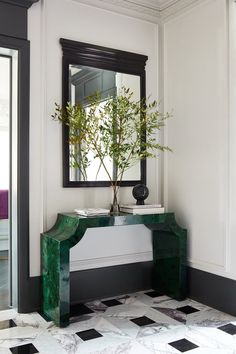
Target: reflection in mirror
x=85, y=81
x=87, y=68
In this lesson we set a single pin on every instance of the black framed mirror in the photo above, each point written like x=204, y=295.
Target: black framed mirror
x=86, y=69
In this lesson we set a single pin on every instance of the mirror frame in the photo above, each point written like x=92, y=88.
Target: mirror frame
x=79, y=53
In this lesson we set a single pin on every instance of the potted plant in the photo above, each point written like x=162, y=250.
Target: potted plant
x=121, y=128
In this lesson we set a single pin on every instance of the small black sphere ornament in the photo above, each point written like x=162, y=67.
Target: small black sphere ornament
x=140, y=193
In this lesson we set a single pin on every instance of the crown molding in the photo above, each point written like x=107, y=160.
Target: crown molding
x=124, y=8
x=179, y=7
x=148, y=10
x=21, y=3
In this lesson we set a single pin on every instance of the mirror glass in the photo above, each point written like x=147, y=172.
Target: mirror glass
x=85, y=81
x=87, y=69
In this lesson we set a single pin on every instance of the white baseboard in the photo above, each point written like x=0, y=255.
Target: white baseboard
x=110, y=261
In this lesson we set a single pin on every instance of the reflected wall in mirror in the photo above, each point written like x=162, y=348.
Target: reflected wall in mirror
x=84, y=82
x=88, y=69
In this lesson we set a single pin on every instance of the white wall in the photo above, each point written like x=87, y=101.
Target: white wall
x=200, y=175
x=199, y=84
x=49, y=21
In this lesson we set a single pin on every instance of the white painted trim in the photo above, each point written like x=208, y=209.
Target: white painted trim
x=110, y=261
x=165, y=135
x=119, y=9
x=43, y=132
x=160, y=14
x=38, y=203
x=212, y=269
x=160, y=82
x=195, y=263
x=177, y=9
x=227, y=254
x=14, y=181
x=145, y=257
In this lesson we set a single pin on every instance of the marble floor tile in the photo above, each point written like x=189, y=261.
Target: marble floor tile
x=160, y=317
x=174, y=304
x=130, y=347
x=136, y=309
x=45, y=343
x=162, y=341
x=18, y=336
x=213, y=351
x=73, y=344
x=125, y=326
x=7, y=324
x=147, y=300
x=209, y=318
x=31, y=320
x=97, y=306
x=8, y=314
x=5, y=351
x=139, y=323
x=222, y=338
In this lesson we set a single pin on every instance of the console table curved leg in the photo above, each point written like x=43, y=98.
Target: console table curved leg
x=169, y=258
x=56, y=281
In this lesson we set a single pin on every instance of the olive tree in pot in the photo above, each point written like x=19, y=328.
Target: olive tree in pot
x=121, y=128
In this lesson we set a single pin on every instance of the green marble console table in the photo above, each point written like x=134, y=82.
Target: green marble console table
x=169, y=254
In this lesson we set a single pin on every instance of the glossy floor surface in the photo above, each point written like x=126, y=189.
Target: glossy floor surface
x=140, y=323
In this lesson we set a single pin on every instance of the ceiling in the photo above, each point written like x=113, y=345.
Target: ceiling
x=151, y=10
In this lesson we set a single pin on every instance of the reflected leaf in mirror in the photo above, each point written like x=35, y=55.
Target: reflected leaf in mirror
x=84, y=81
x=75, y=117
x=118, y=131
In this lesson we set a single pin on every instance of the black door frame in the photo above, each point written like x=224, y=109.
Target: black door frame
x=25, y=283
x=15, y=37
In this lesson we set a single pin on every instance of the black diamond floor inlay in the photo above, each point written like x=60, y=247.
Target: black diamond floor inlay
x=79, y=309
x=142, y=321
x=112, y=302
x=229, y=328
x=7, y=324
x=154, y=293
x=183, y=345
x=187, y=309
x=24, y=349
x=89, y=334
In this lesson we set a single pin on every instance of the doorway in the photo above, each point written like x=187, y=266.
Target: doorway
x=8, y=176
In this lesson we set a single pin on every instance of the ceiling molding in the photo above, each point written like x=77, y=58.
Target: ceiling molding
x=155, y=11
x=122, y=9
x=178, y=8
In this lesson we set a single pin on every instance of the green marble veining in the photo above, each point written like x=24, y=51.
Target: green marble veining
x=169, y=256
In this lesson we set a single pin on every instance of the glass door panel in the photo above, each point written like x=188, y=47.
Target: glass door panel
x=5, y=114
